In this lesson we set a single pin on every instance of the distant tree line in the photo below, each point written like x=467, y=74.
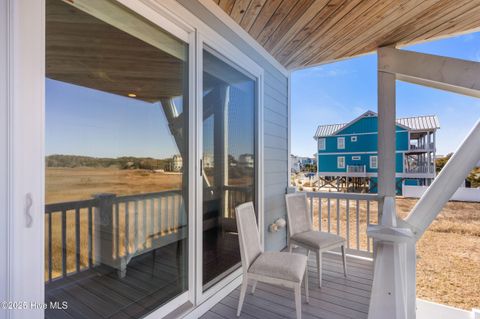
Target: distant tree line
x=126, y=162
x=473, y=178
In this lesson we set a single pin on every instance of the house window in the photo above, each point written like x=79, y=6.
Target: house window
x=321, y=144
x=353, y=138
x=341, y=162
x=341, y=143
x=373, y=161
x=355, y=158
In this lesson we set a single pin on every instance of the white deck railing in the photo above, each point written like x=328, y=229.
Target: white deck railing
x=423, y=169
x=346, y=214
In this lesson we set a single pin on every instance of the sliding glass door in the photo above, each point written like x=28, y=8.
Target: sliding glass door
x=117, y=154
x=228, y=162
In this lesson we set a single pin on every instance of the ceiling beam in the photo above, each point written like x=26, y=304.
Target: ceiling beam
x=454, y=75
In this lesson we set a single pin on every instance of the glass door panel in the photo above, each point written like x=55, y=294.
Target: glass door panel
x=228, y=162
x=116, y=162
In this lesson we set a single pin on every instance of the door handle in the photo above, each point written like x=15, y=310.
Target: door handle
x=201, y=167
x=28, y=207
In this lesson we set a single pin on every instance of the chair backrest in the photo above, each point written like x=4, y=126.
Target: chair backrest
x=248, y=235
x=299, y=219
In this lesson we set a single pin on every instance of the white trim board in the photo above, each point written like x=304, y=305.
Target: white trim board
x=244, y=35
x=428, y=309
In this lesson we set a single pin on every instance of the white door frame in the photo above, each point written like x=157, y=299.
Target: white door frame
x=25, y=155
x=25, y=77
x=227, y=52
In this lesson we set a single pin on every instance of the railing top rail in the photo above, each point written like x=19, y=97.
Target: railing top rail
x=146, y=195
x=335, y=195
x=56, y=207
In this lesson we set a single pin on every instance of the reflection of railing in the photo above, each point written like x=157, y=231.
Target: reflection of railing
x=236, y=195
x=110, y=230
x=346, y=214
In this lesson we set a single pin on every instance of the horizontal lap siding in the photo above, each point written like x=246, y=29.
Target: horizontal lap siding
x=275, y=101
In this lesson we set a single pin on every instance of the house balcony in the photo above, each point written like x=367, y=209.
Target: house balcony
x=421, y=148
x=422, y=169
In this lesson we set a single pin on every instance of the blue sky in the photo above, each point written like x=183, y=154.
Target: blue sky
x=339, y=92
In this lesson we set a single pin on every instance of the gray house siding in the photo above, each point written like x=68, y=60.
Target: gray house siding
x=275, y=126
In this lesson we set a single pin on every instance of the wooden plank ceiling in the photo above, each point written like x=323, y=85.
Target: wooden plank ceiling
x=87, y=52
x=301, y=33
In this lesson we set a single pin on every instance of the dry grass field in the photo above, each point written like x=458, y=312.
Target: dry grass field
x=448, y=268
x=70, y=184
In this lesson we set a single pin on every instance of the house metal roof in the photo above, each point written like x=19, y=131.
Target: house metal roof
x=414, y=124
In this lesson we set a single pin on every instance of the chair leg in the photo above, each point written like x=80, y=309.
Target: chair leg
x=254, y=286
x=344, y=261
x=307, y=296
x=298, y=301
x=243, y=290
x=290, y=247
x=319, y=268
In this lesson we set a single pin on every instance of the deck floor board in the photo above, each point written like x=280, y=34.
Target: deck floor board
x=339, y=297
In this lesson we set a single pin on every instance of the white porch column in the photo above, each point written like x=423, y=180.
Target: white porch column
x=389, y=289
x=386, y=134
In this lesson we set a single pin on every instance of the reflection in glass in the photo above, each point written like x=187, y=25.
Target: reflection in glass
x=228, y=162
x=116, y=178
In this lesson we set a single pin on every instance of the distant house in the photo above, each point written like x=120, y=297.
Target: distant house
x=246, y=160
x=349, y=151
x=177, y=163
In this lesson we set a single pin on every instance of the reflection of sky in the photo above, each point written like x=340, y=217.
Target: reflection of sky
x=88, y=122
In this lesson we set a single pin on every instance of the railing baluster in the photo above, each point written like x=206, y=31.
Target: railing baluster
x=90, y=237
x=160, y=216
x=348, y=223
x=319, y=213
x=127, y=228
x=117, y=230
x=358, y=224
x=311, y=206
x=144, y=224
x=50, y=259
x=152, y=220
x=338, y=216
x=368, y=222
x=328, y=220
x=64, y=243
x=167, y=213
x=77, y=239
x=135, y=227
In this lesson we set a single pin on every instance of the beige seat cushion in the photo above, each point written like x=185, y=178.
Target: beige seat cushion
x=280, y=265
x=317, y=240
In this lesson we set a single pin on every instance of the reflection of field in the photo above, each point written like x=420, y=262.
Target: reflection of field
x=155, y=217
x=448, y=253
x=70, y=184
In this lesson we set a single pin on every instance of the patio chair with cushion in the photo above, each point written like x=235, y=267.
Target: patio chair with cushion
x=302, y=234
x=278, y=268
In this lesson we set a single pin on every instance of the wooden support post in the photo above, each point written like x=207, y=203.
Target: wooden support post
x=105, y=233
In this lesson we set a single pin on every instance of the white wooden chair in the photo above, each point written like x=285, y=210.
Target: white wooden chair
x=302, y=234
x=278, y=268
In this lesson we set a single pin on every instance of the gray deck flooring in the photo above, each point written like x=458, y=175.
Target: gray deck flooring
x=339, y=298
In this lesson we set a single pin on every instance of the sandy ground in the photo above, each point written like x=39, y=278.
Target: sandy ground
x=448, y=268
